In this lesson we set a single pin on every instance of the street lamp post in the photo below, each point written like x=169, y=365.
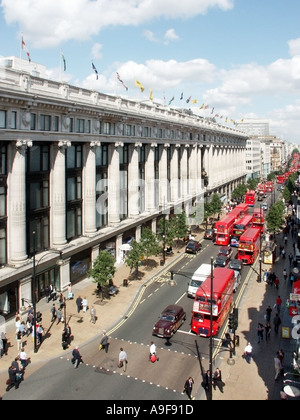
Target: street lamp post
x=211, y=328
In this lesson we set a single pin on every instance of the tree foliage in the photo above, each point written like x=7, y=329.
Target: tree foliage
x=103, y=268
x=275, y=217
x=133, y=257
x=148, y=243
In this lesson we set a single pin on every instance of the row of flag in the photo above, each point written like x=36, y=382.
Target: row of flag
x=139, y=85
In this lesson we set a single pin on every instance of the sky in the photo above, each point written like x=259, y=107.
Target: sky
x=227, y=59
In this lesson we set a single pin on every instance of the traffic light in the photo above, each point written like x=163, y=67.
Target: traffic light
x=235, y=318
x=231, y=321
x=38, y=317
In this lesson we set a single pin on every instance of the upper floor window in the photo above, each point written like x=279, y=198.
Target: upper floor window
x=74, y=156
x=2, y=119
x=102, y=155
x=32, y=121
x=3, y=154
x=13, y=122
x=56, y=123
x=80, y=125
x=147, y=131
x=45, y=122
x=38, y=158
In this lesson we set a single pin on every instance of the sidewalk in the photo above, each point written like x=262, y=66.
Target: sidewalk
x=243, y=381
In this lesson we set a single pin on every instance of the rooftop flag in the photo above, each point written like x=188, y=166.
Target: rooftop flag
x=181, y=97
x=202, y=106
x=151, y=95
x=119, y=78
x=194, y=101
x=138, y=84
x=171, y=100
x=64, y=61
x=25, y=49
x=188, y=99
x=95, y=70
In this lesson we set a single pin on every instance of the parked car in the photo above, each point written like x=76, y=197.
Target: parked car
x=209, y=234
x=193, y=247
x=221, y=261
x=236, y=265
x=225, y=250
x=170, y=320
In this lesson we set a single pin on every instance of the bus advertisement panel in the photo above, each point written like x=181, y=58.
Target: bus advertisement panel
x=258, y=219
x=249, y=245
x=250, y=198
x=241, y=225
x=223, y=227
x=221, y=300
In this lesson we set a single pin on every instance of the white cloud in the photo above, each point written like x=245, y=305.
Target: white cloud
x=47, y=24
x=150, y=36
x=96, y=51
x=170, y=35
x=294, y=47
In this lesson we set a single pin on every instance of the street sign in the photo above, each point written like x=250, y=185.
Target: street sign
x=294, y=296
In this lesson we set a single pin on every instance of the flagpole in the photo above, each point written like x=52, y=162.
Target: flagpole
x=60, y=60
x=21, y=47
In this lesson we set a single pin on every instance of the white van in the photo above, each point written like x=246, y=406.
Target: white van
x=198, y=278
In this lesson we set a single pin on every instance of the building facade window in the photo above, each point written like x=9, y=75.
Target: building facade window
x=74, y=191
x=13, y=121
x=2, y=119
x=32, y=121
x=80, y=125
x=37, y=191
x=45, y=122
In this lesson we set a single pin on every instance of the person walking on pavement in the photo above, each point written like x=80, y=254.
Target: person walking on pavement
x=152, y=352
x=15, y=378
x=93, y=315
x=188, y=388
x=267, y=330
x=23, y=358
x=4, y=341
x=217, y=380
x=248, y=352
x=278, y=304
x=268, y=313
x=104, y=342
x=84, y=304
x=260, y=333
x=276, y=323
x=277, y=366
x=77, y=358
x=276, y=282
x=47, y=293
x=78, y=304
x=284, y=274
x=122, y=357
x=53, y=312
x=207, y=380
x=58, y=315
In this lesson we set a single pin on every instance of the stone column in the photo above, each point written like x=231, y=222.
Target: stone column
x=163, y=177
x=133, y=180
x=89, y=189
x=184, y=173
x=58, y=196
x=174, y=175
x=149, y=177
x=17, y=205
x=114, y=184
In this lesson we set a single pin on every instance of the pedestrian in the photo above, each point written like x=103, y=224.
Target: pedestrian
x=23, y=358
x=267, y=330
x=78, y=303
x=93, y=315
x=217, y=380
x=276, y=282
x=4, y=341
x=268, y=314
x=248, y=352
x=53, y=312
x=50, y=291
x=285, y=240
x=53, y=293
x=14, y=378
x=284, y=274
x=207, y=380
x=152, y=352
x=64, y=339
x=290, y=258
x=28, y=327
x=278, y=304
x=39, y=333
x=70, y=293
x=1, y=348
x=19, y=339
x=77, y=358
x=276, y=323
x=122, y=357
x=188, y=388
x=281, y=355
x=84, y=304
x=292, y=278
x=260, y=332
x=47, y=293
x=277, y=366
x=104, y=342
x=58, y=315
x=61, y=301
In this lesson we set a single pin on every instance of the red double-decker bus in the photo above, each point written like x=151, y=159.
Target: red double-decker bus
x=250, y=198
x=222, y=298
x=269, y=186
x=249, y=246
x=280, y=179
x=223, y=227
x=239, y=227
x=258, y=219
x=243, y=207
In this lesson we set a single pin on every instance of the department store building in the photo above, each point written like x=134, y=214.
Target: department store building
x=82, y=171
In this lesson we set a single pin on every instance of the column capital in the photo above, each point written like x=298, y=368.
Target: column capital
x=23, y=144
x=62, y=144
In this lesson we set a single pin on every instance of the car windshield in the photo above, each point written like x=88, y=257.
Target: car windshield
x=165, y=317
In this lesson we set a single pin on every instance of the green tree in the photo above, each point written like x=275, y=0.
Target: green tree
x=252, y=183
x=148, y=243
x=179, y=226
x=103, y=269
x=216, y=204
x=239, y=192
x=275, y=217
x=133, y=257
